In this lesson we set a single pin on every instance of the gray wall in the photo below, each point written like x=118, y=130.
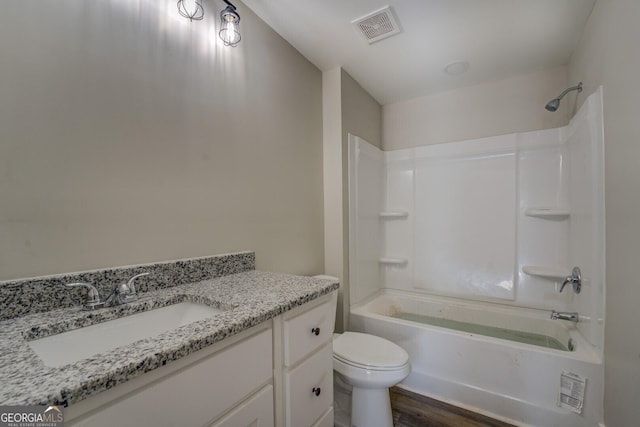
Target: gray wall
x=488, y=109
x=361, y=116
x=361, y=113
x=607, y=56
x=129, y=134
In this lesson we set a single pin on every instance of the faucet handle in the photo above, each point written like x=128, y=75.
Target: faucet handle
x=126, y=292
x=575, y=279
x=131, y=286
x=93, y=296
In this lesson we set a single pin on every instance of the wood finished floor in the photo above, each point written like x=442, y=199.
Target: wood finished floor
x=414, y=410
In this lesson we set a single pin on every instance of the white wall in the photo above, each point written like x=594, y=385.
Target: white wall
x=129, y=135
x=606, y=55
x=488, y=109
x=347, y=109
x=333, y=183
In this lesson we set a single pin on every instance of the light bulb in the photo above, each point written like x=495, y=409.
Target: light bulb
x=229, y=27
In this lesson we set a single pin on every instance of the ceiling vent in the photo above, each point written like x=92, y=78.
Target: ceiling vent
x=377, y=25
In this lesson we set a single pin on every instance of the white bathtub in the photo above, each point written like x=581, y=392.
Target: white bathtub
x=507, y=380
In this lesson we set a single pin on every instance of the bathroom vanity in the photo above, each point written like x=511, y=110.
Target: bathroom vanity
x=276, y=373
x=264, y=359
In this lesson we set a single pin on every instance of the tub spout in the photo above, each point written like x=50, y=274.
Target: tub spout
x=572, y=317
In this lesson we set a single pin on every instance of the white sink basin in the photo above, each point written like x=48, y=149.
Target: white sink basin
x=72, y=346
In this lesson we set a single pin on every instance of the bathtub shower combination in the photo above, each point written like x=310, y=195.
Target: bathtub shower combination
x=458, y=253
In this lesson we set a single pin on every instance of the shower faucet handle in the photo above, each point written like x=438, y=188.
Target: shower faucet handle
x=575, y=279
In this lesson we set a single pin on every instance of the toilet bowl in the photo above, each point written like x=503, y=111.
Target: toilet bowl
x=369, y=365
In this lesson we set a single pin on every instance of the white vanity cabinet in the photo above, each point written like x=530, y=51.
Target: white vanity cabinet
x=255, y=412
x=192, y=391
x=306, y=364
x=279, y=373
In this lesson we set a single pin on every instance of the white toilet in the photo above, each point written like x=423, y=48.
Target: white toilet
x=369, y=365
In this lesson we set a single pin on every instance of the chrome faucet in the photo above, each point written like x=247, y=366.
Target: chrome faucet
x=92, y=302
x=126, y=292
x=572, y=317
x=575, y=279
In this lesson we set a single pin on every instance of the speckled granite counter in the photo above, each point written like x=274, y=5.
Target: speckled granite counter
x=250, y=298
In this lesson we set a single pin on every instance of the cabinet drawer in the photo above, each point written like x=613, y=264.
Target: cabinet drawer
x=307, y=332
x=309, y=388
x=326, y=420
x=255, y=412
x=196, y=394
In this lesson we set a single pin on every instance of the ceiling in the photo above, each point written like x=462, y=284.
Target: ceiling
x=499, y=39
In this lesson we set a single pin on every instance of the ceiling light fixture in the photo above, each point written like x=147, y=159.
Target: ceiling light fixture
x=191, y=9
x=229, y=25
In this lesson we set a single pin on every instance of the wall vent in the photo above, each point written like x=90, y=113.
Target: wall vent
x=377, y=25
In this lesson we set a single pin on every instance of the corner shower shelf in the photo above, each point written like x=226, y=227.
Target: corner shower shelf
x=393, y=261
x=552, y=273
x=394, y=214
x=548, y=213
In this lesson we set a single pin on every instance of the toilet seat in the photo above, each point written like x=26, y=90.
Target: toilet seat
x=369, y=352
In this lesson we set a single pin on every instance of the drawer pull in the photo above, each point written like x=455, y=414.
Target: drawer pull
x=315, y=331
x=316, y=391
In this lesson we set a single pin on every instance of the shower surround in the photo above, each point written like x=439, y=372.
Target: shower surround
x=496, y=223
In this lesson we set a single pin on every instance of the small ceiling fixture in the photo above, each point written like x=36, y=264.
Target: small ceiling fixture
x=229, y=25
x=377, y=25
x=191, y=9
x=456, y=68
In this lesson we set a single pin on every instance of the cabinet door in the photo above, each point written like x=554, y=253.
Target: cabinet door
x=326, y=420
x=255, y=412
x=196, y=394
x=309, y=388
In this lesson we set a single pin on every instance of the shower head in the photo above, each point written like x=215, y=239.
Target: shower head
x=555, y=103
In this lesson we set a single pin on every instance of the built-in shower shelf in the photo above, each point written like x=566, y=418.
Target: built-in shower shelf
x=393, y=261
x=548, y=213
x=394, y=214
x=551, y=273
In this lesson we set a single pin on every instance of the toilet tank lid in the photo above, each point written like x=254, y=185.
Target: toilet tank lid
x=369, y=350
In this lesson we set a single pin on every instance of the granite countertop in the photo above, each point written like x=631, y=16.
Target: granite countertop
x=249, y=299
